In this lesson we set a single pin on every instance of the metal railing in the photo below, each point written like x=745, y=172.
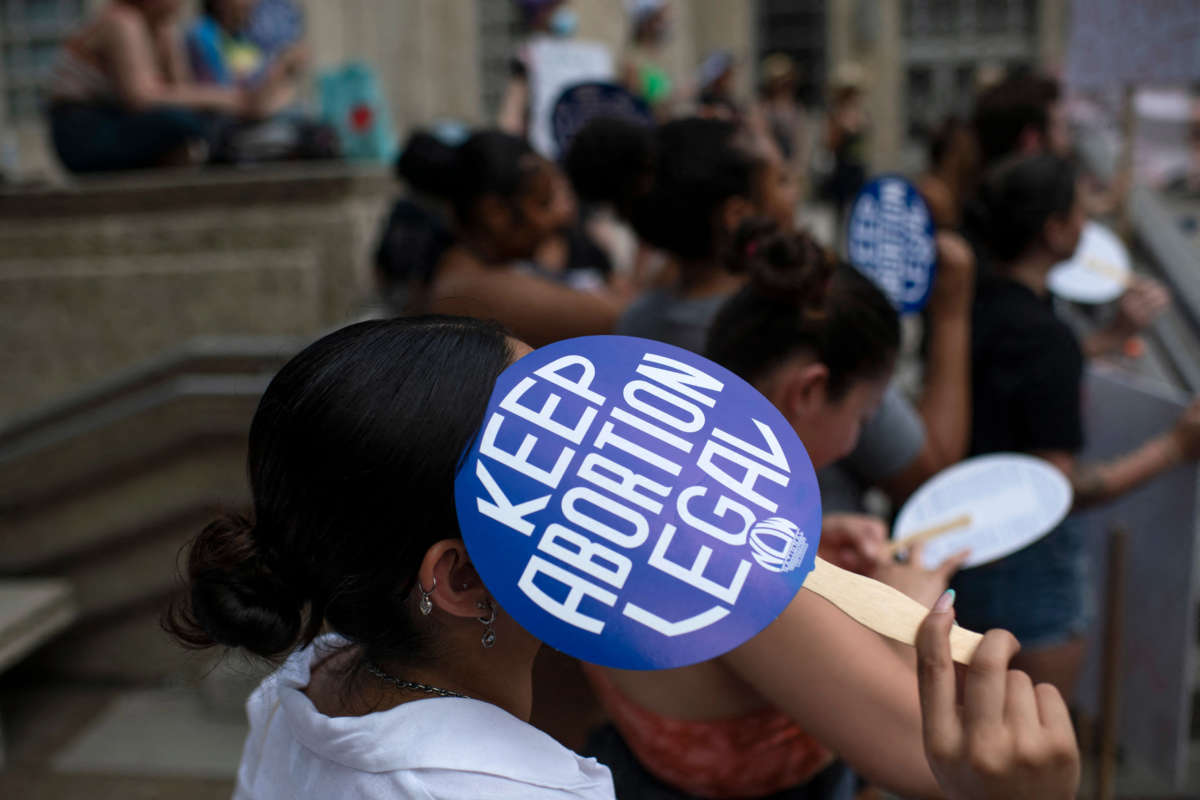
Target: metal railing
x=1163, y=251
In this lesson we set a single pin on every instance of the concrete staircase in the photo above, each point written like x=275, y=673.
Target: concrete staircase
x=105, y=488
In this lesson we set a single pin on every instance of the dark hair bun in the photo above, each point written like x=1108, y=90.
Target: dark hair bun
x=611, y=160
x=236, y=598
x=789, y=267
x=429, y=165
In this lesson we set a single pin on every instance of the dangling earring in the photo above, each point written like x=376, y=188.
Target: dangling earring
x=426, y=604
x=489, y=633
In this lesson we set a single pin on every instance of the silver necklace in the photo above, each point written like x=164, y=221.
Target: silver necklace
x=400, y=683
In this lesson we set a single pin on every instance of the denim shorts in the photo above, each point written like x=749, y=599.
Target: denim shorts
x=1040, y=594
x=95, y=138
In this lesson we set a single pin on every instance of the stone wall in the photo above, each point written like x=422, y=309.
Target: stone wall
x=101, y=276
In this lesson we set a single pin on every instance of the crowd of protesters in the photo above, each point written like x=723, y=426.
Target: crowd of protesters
x=680, y=227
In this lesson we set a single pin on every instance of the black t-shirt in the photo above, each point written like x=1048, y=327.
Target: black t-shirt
x=1026, y=373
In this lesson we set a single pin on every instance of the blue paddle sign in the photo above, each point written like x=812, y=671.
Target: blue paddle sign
x=635, y=505
x=891, y=241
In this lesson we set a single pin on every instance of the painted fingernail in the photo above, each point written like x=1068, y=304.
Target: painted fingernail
x=945, y=602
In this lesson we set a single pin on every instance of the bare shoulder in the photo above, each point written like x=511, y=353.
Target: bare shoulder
x=456, y=263
x=457, y=270
x=938, y=197
x=462, y=284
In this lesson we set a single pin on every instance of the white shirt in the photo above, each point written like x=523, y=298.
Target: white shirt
x=435, y=749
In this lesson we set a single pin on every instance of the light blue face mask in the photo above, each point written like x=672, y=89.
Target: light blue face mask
x=563, y=22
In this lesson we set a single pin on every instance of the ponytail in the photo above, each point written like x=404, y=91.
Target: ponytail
x=236, y=598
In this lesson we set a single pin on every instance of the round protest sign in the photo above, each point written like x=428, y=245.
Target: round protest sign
x=1097, y=273
x=992, y=505
x=635, y=505
x=580, y=104
x=890, y=240
x=555, y=64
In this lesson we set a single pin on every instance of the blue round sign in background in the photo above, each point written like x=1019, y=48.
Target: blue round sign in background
x=580, y=104
x=890, y=239
x=635, y=505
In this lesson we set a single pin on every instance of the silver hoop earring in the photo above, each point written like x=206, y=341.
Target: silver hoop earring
x=489, y=633
x=426, y=603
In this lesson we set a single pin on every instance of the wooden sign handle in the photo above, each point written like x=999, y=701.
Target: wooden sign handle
x=881, y=608
x=932, y=532
x=1106, y=271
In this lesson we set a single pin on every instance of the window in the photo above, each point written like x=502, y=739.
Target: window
x=964, y=89
x=499, y=30
x=1028, y=16
x=992, y=16
x=945, y=17
x=797, y=28
x=921, y=100
x=30, y=34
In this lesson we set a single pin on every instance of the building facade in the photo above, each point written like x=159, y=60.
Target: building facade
x=449, y=58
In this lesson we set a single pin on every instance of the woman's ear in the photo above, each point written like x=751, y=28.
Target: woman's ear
x=450, y=579
x=1060, y=236
x=494, y=214
x=801, y=392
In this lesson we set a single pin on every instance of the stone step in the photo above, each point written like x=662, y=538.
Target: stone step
x=93, y=436
x=202, y=355
x=31, y=611
x=156, y=442
x=120, y=595
x=81, y=527
x=126, y=647
x=104, y=490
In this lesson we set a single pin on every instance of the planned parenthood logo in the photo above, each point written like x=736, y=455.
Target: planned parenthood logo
x=891, y=241
x=636, y=506
x=778, y=544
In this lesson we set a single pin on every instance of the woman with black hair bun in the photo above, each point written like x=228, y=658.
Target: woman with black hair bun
x=507, y=203
x=417, y=231
x=353, y=452
x=1027, y=376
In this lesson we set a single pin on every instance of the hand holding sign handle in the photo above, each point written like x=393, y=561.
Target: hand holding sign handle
x=887, y=611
